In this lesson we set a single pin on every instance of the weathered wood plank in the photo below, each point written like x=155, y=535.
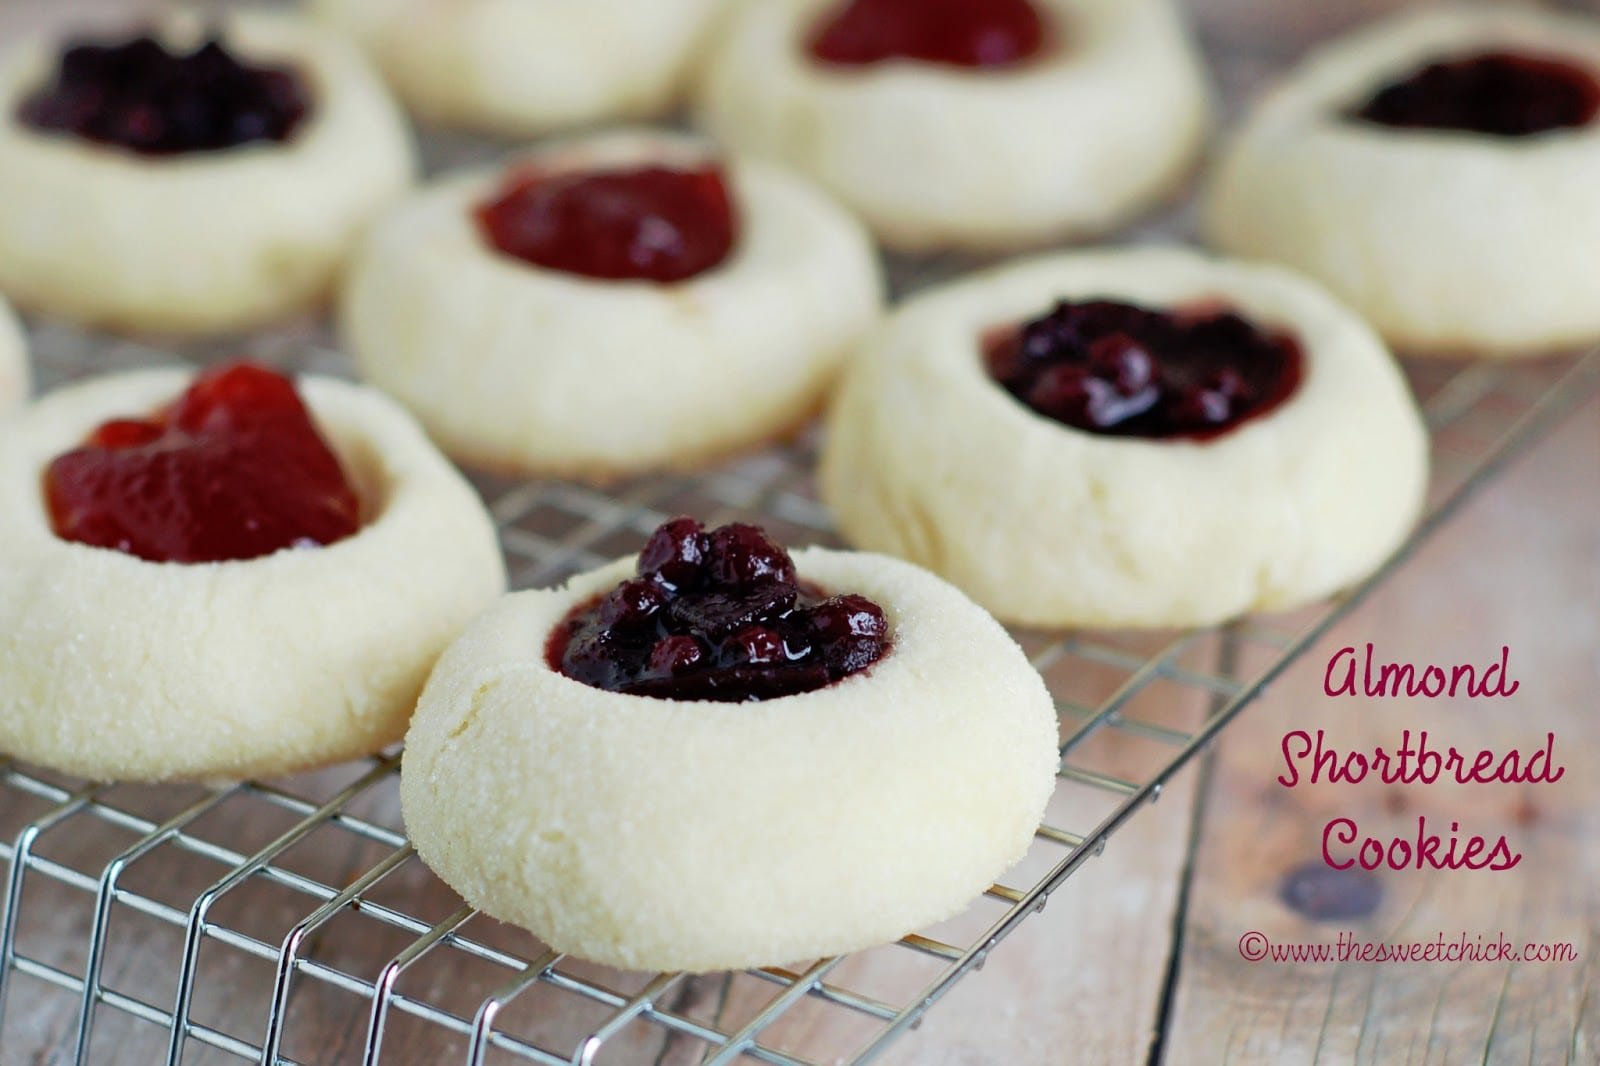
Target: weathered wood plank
x=1520, y=567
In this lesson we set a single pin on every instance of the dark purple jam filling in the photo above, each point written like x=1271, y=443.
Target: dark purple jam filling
x=1502, y=94
x=1121, y=370
x=717, y=615
x=141, y=97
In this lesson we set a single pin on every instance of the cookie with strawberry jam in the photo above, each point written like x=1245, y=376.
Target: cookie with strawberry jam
x=611, y=305
x=980, y=125
x=225, y=574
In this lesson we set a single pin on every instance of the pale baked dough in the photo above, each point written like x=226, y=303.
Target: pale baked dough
x=669, y=835
x=1447, y=242
x=115, y=667
x=512, y=366
x=205, y=241
x=1075, y=143
x=929, y=459
x=526, y=67
x=15, y=377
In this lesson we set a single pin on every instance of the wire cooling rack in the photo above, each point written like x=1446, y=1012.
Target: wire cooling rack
x=144, y=925
x=290, y=922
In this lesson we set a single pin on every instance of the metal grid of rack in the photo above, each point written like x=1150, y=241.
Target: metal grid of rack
x=213, y=925
x=137, y=921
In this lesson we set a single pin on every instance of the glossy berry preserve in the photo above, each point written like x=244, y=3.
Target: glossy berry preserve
x=651, y=224
x=1118, y=369
x=234, y=469
x=1502, y=94
x=717, y=615
x=961, y=33
x=141, y=97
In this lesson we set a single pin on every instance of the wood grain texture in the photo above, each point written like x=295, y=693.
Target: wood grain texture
x=1520, y=567
x=1084, y=981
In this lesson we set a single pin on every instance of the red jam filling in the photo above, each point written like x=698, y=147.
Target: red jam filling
x=651, y=224
x=1502, y=94
x=234, y=469
x=141, y=97
x=961, y=33
x=717, y=615
x=1121, y=370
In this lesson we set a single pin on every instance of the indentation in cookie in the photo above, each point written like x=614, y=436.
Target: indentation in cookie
x=963, y=33
x=140, y=96
x=234, y=469
x=651, y=223
x=1119, y=369
x=717, y=615
x=1498, y=93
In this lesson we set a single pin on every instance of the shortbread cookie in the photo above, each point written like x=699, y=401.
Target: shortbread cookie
x=195, y=184
x=892, y=755
x=1166, y=440
x=613, y=304
x=1436, y=172
x=526, y=67
x=968, y=124
x=255, y=604
x=15, y=377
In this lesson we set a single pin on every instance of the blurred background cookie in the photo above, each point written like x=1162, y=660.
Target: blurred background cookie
x=1136, y=437
x=1436, y=171
x=15, y=375
x=208, y=178
x=612, y=304
x=519, y=68
x=964, y=124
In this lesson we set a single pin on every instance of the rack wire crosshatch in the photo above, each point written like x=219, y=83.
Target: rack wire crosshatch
x=270, y=871
x=290, y=923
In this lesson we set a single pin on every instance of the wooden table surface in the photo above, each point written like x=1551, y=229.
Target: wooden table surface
x=1138, y=956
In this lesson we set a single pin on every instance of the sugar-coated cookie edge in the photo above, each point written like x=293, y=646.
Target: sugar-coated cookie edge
x=205, y=242
x=514, y=367
x=118, y=668
x=1073, y=144
x=514, y=69
x=16, y=376
x=1448, y=243
x=658, y=834
x=928, y=459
